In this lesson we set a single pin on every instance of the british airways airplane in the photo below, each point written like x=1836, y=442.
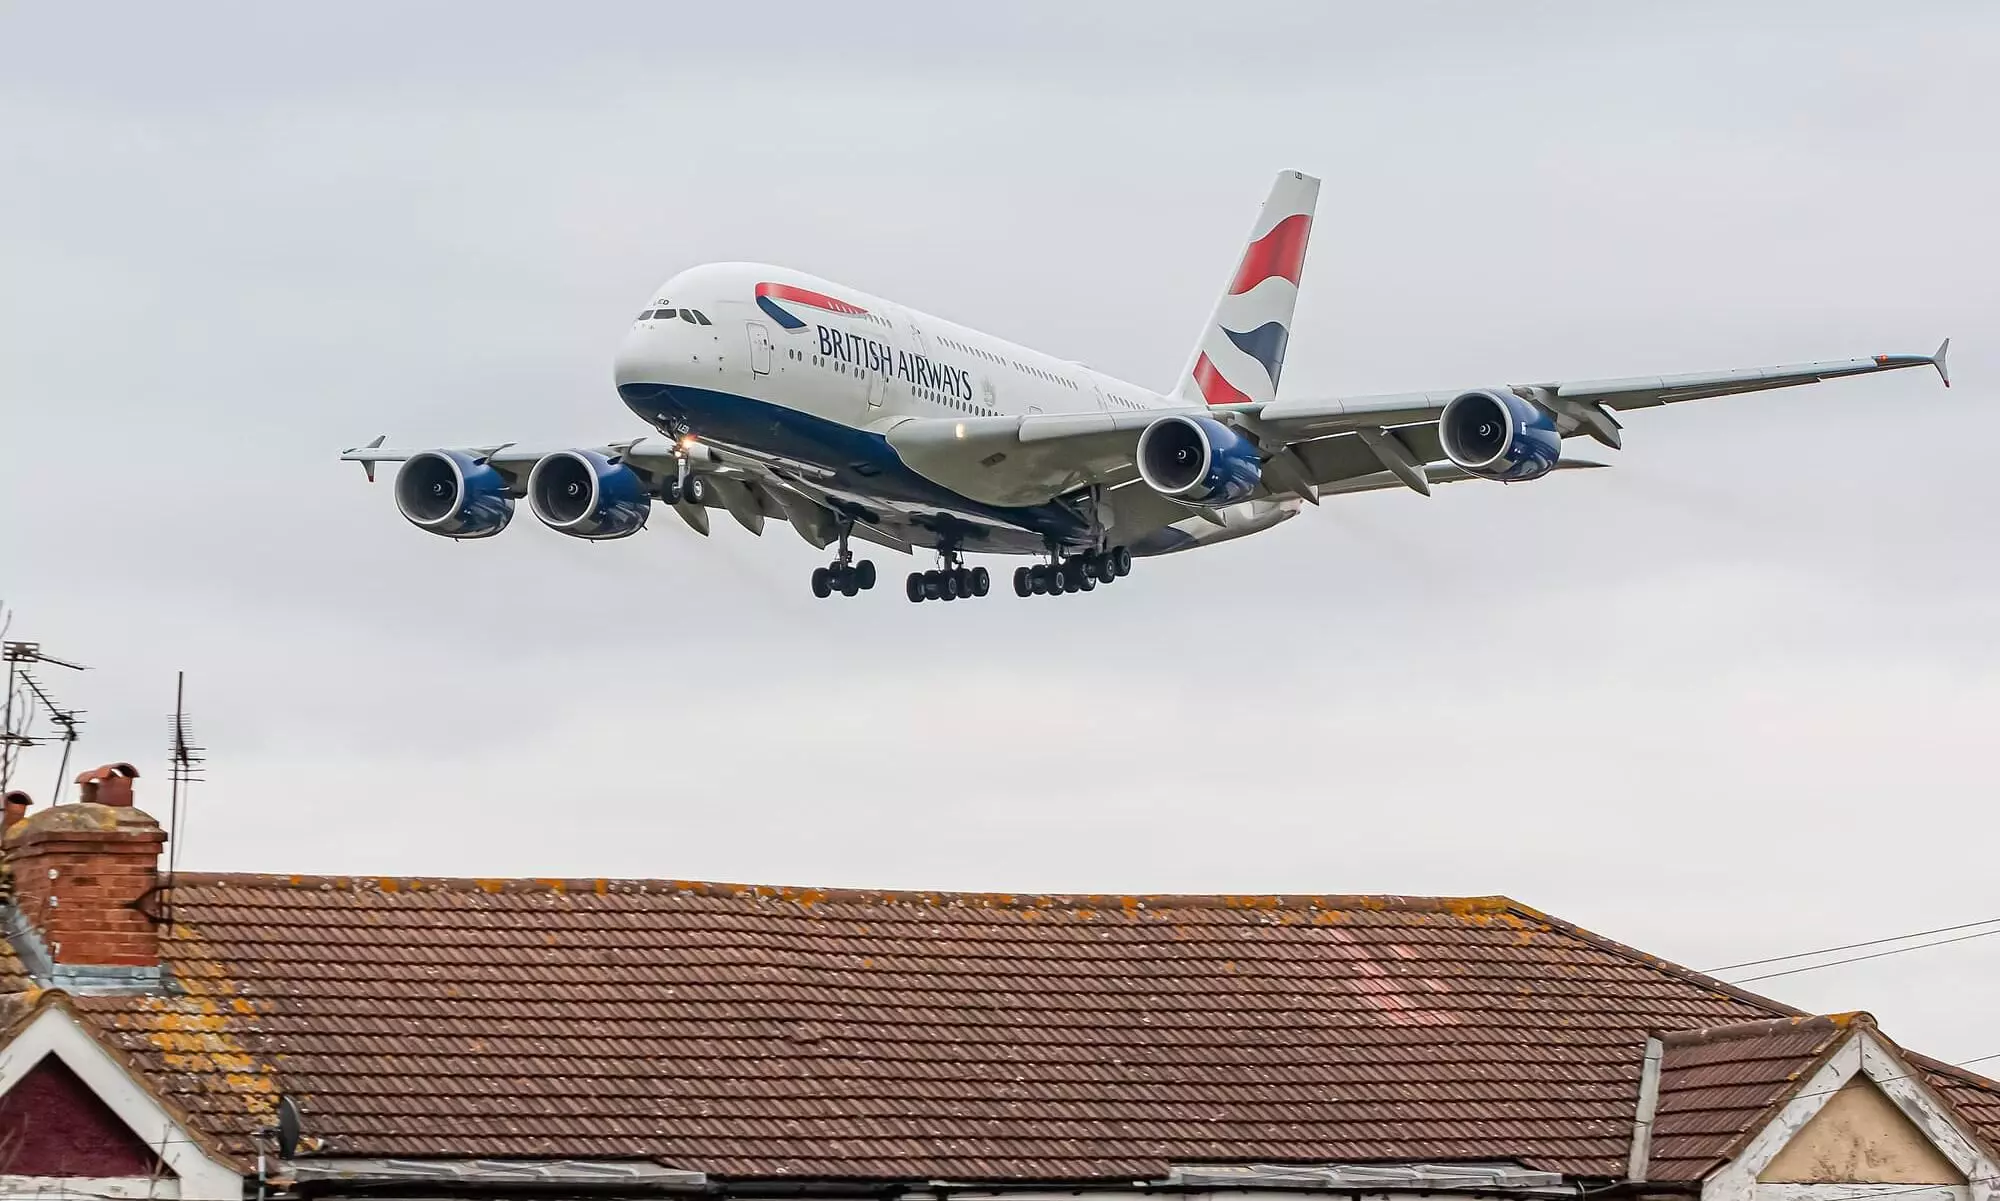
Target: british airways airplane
x=776, y=395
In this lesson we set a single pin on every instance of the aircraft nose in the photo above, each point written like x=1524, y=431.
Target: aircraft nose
x=641, y=357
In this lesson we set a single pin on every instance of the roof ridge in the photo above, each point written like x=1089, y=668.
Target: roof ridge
x=1827, y=1023
x=1777, y=1009
x=363, y=882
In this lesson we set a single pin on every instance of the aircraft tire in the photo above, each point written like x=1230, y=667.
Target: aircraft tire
x=1023, y=582
x=865, y=572
x=822, y=583
x=914, y=587
x=1121, y=558
x=982, y=581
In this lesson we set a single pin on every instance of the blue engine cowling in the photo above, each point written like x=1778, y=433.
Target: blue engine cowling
x=588, y=494
x=1496, y=435
x=1200, y=460
x=454, y=494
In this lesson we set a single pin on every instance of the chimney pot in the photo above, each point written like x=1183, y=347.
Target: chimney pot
x=17, y=806
x=108, y=785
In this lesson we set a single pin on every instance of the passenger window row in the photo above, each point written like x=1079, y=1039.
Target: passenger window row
x=953, y=402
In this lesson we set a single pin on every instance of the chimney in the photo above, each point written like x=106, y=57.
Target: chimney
x=85, y=881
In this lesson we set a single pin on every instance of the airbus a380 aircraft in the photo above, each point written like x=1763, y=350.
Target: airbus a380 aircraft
x=778, y=395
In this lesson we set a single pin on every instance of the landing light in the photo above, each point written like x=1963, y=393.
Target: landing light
x=961, y=429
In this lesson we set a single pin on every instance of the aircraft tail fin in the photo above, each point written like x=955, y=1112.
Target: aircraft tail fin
x=1242, y=348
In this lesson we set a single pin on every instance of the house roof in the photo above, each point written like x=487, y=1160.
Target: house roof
x=1718, y=1086
x=754, y=1032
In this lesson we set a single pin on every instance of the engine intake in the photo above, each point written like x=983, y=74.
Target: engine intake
x=1198, y=459
x=588, y=494
x=453, y=494
x=1495, y=435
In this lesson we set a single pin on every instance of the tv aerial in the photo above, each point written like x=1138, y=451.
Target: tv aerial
x=26, y=698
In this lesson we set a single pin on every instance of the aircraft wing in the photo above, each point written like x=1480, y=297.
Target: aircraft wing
x=750, y=487
x=1027, y=460
x=1300, y=419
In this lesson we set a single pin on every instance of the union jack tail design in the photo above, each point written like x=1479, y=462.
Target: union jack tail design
x=1242, y=348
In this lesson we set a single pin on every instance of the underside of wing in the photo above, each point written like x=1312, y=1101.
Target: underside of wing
x=1020, y=461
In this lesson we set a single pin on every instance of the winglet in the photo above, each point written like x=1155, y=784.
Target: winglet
x=1937, y=361
x=367, y=465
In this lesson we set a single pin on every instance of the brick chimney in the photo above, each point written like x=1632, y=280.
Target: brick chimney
x=84, y=889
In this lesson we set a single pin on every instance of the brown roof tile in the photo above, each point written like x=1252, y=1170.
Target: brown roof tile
x=1717, y=1087
x=763, y=1032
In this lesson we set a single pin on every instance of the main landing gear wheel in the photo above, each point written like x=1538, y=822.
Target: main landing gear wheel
x=843, y=575
x=953, y=581
x=1078, y=573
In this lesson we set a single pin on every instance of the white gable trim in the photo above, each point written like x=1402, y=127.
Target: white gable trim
x=56, y=1032
x=1864, y=1055
x=1862, y=1192
x=115, y=1188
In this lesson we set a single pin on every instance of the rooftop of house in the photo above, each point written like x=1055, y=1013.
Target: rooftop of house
x=757, y=1032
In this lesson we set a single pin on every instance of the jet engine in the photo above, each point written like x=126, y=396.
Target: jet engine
x=453, y=494
x=1495, y=435
x=1199, y=460
x=588, y=494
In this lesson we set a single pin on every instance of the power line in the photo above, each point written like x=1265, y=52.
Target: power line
x=1873, y=942
x=1813, y=967
x=1962, y=1063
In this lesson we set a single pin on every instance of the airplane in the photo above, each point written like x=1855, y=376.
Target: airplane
x=773, y=394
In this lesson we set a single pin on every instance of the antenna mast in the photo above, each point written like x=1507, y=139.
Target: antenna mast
x=24, y=697
x=184, y=765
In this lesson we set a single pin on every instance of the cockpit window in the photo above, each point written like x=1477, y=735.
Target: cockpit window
x=688, y=315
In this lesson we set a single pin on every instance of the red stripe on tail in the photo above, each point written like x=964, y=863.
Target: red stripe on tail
x=1281, y=252
x=1214, y=389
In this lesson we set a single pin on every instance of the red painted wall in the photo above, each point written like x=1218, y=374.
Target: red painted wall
x=51, y=1124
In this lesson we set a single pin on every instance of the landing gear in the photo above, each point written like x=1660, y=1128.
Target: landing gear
x=1078, y=573
x=953, y=581
x=843, y=575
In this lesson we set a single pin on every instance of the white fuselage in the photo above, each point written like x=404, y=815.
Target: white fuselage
x=856, y=368
x=787, y=365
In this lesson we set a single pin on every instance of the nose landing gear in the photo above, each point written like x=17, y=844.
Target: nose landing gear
x=843, y=575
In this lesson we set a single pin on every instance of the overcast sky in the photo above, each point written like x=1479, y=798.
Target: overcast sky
x=1737, y=697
